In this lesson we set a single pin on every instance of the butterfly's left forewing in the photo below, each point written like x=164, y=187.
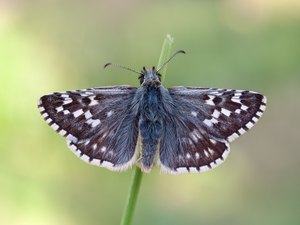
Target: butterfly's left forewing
x=196, y=134
x=100, y=124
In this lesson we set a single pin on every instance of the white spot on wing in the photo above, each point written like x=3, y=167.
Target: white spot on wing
x=110, y=113
x=214, y=120
x=237, y=100
x=103, y=149
x=249, y=125
x=196, y=132
x=88, y=93
x=62, y=132
x=194, y=113
x=95, y=162
x=59, y=109
x=72, y=138
x=72, y=147
x=244, y=107
x=85, y=158
x=226, y=112
x=211, y=151
x=77, y=152
x=209, y=102
x=93, y=123
x=225, y=153
x=93, y=101
x=182, y=170
x=208, y=122
x=204, y=168
x=259, y=114
x=193, y=170
x=238, y=111
x=88, y=114
x=206, y=153
x=66, y=112
x=232, y=137
x=194, y=137
x=213, y=141
x=94, y=146
x=242, y=131
x=107, y=164
x=41, y=108
x=45, y=115
x=67, y=101
x=216, y=113
x=54, y=126
x=219, y=161
x=262, y=107
x=96, y=123
x=78, y=113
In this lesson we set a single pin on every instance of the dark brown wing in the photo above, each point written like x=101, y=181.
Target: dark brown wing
x=100, y=124
x=204, y=120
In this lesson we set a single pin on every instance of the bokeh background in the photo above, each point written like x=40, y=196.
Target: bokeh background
x=53, y=45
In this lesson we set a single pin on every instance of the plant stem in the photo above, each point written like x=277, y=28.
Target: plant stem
x=165, y=55
x=132, y=197
x=138, y=175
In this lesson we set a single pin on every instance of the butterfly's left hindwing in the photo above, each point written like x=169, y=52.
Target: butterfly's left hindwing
x=197, y=131
x=100, y=124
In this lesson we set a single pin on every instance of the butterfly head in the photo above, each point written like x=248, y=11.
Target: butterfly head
x=149, y=76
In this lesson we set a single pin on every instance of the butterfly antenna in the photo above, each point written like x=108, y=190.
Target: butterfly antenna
x=179, y=51
x=120, y=66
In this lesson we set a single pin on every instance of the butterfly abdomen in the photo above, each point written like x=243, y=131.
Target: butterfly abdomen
x=150, y=125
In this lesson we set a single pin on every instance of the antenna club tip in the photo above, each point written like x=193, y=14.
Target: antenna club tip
x=181, y=51
x=106, y=65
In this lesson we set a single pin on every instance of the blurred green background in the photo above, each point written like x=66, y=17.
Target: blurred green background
x=53, y=45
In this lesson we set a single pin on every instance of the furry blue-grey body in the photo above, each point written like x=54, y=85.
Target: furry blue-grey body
x=155, y=107
x=150, y=123
x=151, y=116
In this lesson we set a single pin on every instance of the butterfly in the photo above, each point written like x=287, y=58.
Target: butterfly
x=182, y=129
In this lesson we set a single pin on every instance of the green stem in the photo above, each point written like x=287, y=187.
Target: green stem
x=138, y=175
x=165, y=55
x=132, y=197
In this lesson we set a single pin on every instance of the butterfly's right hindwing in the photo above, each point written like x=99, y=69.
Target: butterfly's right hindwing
x=100, y=124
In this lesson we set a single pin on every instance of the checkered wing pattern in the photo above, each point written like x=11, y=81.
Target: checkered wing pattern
x=100, y=124
x=196, y=136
